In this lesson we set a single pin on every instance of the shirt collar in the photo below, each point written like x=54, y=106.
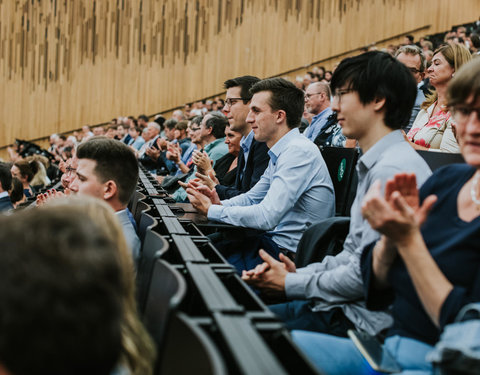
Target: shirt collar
x=369, y=159
x=282, y=144
x=246, y=142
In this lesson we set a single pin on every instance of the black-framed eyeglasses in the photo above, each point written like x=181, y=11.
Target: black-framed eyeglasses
x=308, y=96
x=233, y=101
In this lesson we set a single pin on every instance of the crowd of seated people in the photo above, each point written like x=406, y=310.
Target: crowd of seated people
x=410, y=260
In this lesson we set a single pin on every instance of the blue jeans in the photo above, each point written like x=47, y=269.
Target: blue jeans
x=337, y=356
x=242, y=252
x=297, y=314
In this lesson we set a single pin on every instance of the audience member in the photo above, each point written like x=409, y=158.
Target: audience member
x=317, y=102
x=210, y=140
x=294, y=191
x=142, y=121
x=86, y=132
x=184, y=161
x=151, y=150
x=17, y=196
x=61, y=287
x=413, y=58
x=136, y=140
x=225, y=170
x=5, y=187
x=24, y=171
x=40, y=178
x=253, y=158
x=138, y=351
x=373, y=96
x=98, y=130
x=107, y=169
x=427, y=262
x=432, y=128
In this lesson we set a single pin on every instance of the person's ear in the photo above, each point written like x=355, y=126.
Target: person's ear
x=110, y=190
x=281, y=116
x=379, y=104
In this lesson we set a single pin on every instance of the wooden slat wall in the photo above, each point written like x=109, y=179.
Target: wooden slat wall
x=67, y=63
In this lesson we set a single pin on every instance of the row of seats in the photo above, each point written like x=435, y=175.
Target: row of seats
x=203, y=317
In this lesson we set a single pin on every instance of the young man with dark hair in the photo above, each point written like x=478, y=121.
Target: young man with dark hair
x=5, y=186
x=107, y=169
x=61, y=287
x=373, y=97
x=294, y=191
x=253, y=157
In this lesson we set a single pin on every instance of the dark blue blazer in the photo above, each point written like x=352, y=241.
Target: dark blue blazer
x=5, y=204
x=256, y=164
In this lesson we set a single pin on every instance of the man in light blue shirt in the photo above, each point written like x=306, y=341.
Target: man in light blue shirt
x=317, y=102
x=294, y=192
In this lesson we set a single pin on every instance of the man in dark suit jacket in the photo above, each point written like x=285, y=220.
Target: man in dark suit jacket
x=5, y=186
x=253, y=158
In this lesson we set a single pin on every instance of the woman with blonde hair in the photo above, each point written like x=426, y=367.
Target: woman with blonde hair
x=138, y=350
x=433, y=127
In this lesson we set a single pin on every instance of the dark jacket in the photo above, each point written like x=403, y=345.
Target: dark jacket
x=256, y=164
x=5, y=204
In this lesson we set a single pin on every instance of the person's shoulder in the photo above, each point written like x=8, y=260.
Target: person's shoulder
x=452, y=173
x=401, y=157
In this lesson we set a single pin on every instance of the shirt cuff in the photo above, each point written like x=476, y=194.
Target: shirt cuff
x=215, y=212
x=295, y=285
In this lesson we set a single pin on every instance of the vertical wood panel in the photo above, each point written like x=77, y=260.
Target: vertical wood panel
x=64, y=64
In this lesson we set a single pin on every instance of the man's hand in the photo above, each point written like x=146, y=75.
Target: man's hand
x=271, y=274
x=202, y=161
x=162, y=143
x=198, y=200
x=210, y=181
x=174, y=152
x=153, y=153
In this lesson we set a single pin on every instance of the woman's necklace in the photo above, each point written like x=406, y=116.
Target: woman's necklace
x=473, y=190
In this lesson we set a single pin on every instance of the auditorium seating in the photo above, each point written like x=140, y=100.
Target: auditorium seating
x=322, y=239
x=218, y=316
x=341, y=164
x=437, y=160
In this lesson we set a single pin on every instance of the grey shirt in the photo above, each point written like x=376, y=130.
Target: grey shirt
x=337, y=281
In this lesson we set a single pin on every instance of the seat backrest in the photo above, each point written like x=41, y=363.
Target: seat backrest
x=153, y=246
x=189, y=350
x=136, y=197
x=142, y=207
x=341, y=164
x=166, y=291
x=436, y=160
x=146, y=221
x=321, y=239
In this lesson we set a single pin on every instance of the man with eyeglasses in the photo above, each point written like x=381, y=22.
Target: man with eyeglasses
x=294, y=191
x=413, y=58
x=317, y=102
x=253, y=158
x=374, y=94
